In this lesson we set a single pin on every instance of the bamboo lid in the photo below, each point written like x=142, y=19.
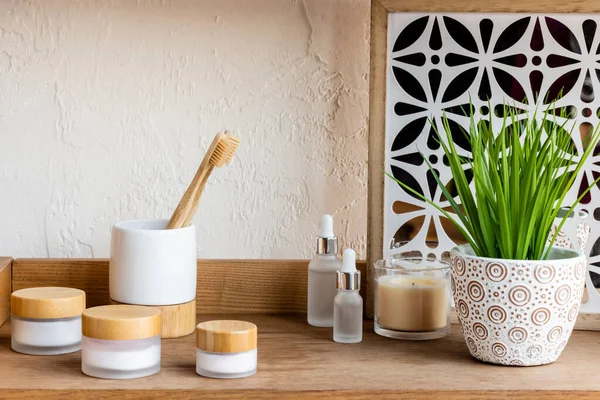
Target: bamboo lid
x=121, y=322
x=47, y=302
x=226, y=336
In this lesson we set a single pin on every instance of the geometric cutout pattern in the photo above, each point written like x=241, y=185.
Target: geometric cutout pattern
x=440, y=63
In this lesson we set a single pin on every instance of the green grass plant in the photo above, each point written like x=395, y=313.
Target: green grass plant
x=521, y=176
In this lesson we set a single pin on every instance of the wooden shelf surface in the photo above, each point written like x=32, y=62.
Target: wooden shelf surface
x=297, y=360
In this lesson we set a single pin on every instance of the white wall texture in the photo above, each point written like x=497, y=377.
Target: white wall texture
x=106, y=108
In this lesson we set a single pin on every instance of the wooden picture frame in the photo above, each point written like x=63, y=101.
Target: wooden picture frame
x=377, y=103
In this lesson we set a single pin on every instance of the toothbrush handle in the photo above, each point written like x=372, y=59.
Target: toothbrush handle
x=188, y=199
x=187, y=202
x=194, y=205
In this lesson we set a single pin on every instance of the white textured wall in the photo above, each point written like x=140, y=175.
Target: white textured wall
x=106, y=108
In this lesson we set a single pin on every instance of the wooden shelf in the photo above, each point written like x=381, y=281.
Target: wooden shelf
x=223, y=286
x=297, y=360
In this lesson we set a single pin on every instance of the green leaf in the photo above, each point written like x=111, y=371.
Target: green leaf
x=521, y=176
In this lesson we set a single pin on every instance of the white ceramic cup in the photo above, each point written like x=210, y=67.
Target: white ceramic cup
x=151, y=265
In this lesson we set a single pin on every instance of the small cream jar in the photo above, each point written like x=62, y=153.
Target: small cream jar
x=46, y=320
x=121, y=342
x=226, y=349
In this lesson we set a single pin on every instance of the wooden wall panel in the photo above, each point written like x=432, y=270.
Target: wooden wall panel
x=224, y=286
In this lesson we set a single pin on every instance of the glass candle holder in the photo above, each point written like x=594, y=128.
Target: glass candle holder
x=412, y=298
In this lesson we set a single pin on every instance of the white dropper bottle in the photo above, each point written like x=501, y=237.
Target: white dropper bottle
x=322, y=276
x=348, y=305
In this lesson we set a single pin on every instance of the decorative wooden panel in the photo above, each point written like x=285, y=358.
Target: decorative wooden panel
x=437, y=64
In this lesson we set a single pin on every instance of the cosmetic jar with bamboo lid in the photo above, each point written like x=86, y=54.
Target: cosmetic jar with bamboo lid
x=226, y=349
x=121, y=341
x=46, y=320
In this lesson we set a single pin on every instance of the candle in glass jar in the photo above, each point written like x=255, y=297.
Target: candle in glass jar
x=412, y=303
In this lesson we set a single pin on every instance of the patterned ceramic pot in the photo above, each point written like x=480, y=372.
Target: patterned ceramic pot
x=517, y=312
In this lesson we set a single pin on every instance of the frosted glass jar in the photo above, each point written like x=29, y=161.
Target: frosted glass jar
x=152, y=265
x=226, y=349
x=121, y=342
x=120, y=359
x=47, y=320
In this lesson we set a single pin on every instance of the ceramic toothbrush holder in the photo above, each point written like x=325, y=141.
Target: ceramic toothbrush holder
x=151, y=265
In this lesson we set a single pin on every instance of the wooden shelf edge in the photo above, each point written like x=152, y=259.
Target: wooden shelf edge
x=293, y=395
x=5, y=287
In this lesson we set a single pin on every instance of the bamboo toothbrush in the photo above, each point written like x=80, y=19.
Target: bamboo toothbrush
x=233, y=144
x=216, y=156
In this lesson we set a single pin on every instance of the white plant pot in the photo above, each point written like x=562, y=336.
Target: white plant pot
x=517, y=312
x=151, y=265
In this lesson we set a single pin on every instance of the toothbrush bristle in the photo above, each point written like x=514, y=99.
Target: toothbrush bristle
x=233, y=145
x=221, y=153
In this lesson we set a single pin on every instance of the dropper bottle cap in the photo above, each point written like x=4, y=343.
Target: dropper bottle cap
x=327, y=241
x=348, y=278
